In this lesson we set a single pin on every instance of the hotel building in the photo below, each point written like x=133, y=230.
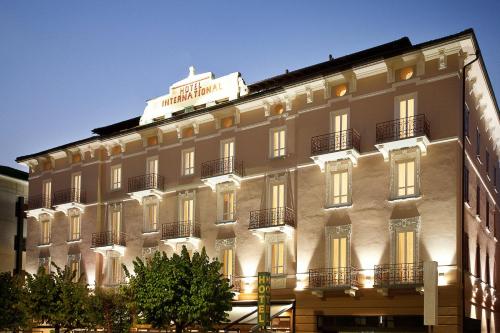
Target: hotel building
x=366, y=184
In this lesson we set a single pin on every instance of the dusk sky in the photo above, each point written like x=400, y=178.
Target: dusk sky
x=67, y=67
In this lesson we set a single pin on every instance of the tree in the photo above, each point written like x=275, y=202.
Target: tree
x=180, y=290
x=59, y=301
x=113, y=310
x=12, y=312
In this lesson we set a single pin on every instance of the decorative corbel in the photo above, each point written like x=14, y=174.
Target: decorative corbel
x=353, y=83
x=326, y=87
x=267, y=109
x=390, y=74
x=442, y=60
x=288, y=103
x=195, y=128
x=420, y=66
x=309, y=95
x=179, y=132
x=237, y=116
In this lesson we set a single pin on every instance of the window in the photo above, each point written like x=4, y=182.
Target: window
x=406, y=114
x=47, y=194
x=227, y=149
x=466, y=185
x=338, y=252
x=405, y=73
x=487, y=267
x=466, y=253
x=339, y=126
x=478, y=262
x=278, y=142
x=152, y=166
x=278, y=258
x=487, y=163
x=228, y=206
x=115, y=219
x=188, y=162
x=340, y=184
x=487, y=213
x=45, y=231
x=228, y=263
x=74, y=225
x=405, y=247
x=151, y=215
x=405, y=178
x=478, y=143
x=74, y=264
x=278, y=203
x=45, y=263
x=115, y=271
x=478, y=201
x=494, y=177
x=148, y=252
x=116, y=177
x=466, y=120
x=76, y=187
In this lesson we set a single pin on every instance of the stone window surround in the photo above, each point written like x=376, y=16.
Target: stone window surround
x=332, y=232
x=405, y=224
x=403, y=155
x=338, y=166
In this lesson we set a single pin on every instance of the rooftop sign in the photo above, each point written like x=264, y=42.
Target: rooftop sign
x=195, y=90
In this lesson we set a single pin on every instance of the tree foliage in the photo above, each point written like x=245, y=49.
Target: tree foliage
x=12, y=311
x=180, y=290
x=113, y=310
x=58, y=300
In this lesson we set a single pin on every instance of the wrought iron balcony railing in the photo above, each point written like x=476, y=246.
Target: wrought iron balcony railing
x=180, y=229
x=235, y=281
x=402, y=128
x=333, y=278
x=399, y=275
x=272, y=217
x=108, y=238
x=222, y=166
x=69, y=195
x=40, y=201
x=150, y=181
x=333, y=142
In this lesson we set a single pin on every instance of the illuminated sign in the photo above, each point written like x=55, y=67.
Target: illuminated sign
x=264, y=299
x=195, y=90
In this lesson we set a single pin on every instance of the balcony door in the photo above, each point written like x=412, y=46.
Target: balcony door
x=116, y=223
x=406, y=117
x=405, y=256
x=339, y=260
x=227, y=154
x=278, y=204
x=47, y=194
x=339, y=125
x=152, y=171
x=76, y=187
x=187, y=217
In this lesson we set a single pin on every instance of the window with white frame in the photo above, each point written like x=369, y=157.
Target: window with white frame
x=405, y=172
x=114, y=270
x=115, y=218
x=116, y=177
x=278, y=142
x=188, y=162
x=338, y=180
x=76, y=186
x=45, y=262
x=74, y=224
x=226, y=203
x=74, y=264
x=339, y=124
x=278, y=258
x=406, y=107
x=226, y=253
x=151, y=211
x=338, y=252
x=45, y=231
x=47, y=193
x=404, y=241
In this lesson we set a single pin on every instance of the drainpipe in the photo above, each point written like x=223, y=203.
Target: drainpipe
x=462, y=211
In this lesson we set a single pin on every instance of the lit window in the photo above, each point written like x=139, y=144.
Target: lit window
x=227, y=122
x=115, y=219
x=278, y=142
x=278, y=258
x=340, y=90
x=405, y=178
x=278, y=203
x=74, y=265
x=188, y=162
x=278, y=109
x=74, y=225
x=405, y=247
x=339, y=191
x=151, y=216
x=406, y=114
x=115, y=271
x=45, y=263
x=45, y=231
x=228, y=262
x=116, y=177
x=152, y=140
x=187, y=210
x=47, y=194
x=228, y=206
x=406, y=73
x=338, y=252
x=76, y=187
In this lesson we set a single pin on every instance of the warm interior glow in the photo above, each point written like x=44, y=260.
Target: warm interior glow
x=278, y=109
x=406, y=73
x=76, y=158
x=341, y=90
x=227, y=122
x=187, y=132
x=152, y=140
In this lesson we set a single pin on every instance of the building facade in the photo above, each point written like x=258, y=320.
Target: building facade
x=343, y=179
x=13, y=184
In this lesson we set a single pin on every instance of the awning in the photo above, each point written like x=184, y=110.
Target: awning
x=245, y=312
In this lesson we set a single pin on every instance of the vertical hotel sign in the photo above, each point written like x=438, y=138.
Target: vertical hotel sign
x=264, y=300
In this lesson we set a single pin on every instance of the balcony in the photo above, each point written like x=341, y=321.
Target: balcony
x=341, y=278
x=69, y=198
x=398, y=276
x=335, y=146
x=403, y=133
x=146, y=185
x=40, y=204
x=109, y=241
x=181, y=231
x=273, y=219
x=222, y=170
x=235, y=282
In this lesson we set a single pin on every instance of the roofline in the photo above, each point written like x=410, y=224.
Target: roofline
x=278, y=88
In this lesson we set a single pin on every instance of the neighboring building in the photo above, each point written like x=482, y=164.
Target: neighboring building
x=13, y=184
x=342, y=179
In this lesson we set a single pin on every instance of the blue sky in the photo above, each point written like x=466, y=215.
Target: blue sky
x=67, y=67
